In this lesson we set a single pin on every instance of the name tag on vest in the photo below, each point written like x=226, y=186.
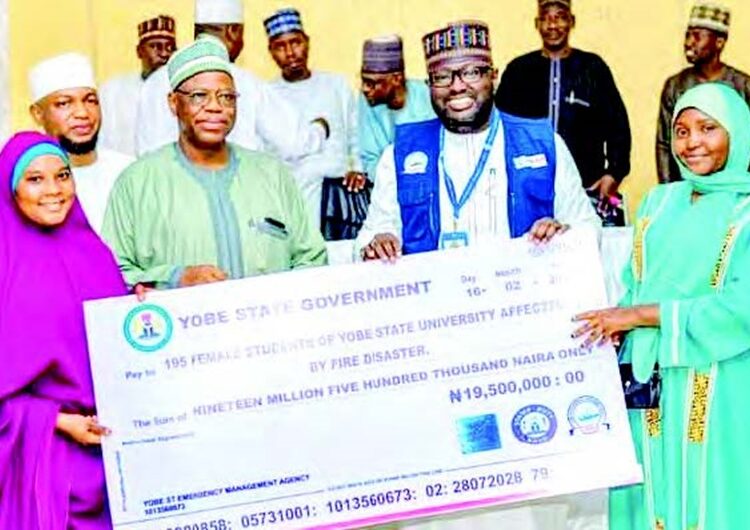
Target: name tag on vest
x=530, y=161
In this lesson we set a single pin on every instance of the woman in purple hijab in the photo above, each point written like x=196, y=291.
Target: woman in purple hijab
x=51, y=475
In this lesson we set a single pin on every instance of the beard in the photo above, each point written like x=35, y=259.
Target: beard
x=296, y=73
x=78, y=148
x=475, y=123
x=381, y=99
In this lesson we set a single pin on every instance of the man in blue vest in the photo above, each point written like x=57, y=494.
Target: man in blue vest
x=473, y=173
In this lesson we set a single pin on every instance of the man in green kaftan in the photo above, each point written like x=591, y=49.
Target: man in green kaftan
x=687, y=312
x=201, y=209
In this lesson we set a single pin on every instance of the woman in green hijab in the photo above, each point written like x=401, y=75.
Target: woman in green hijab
x=687, y=313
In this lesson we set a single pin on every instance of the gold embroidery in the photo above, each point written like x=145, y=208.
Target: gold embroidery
x=699, y=408
x=653, y=422
x=721, y=265
x=640, y=230
x=660, y=524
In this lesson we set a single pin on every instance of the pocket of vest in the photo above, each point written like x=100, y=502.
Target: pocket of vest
x=415, y=201
x=539, y=187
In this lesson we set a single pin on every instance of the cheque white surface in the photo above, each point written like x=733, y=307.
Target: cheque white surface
x=343, y=396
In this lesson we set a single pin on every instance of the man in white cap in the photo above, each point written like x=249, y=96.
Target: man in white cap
x=313, y=94
x=265, y=121
x=202, y=209
x=119, y=96
x=66, y=105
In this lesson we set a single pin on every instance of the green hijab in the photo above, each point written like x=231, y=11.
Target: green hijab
x=725, y=105
x=682, y=251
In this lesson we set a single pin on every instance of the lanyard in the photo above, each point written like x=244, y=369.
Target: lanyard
x=478, y=170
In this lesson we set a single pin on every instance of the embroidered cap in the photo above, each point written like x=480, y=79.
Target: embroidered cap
x=383, y=55
x=206, y=54
x=468, y=38
x=710, y=16
x=286, y=20
x=161, y=26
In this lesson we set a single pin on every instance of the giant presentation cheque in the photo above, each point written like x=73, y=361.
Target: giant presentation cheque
x=346, y=396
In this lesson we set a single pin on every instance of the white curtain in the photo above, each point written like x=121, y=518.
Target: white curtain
x=4, y=71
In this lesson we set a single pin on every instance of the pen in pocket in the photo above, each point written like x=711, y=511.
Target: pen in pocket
x=270, y=226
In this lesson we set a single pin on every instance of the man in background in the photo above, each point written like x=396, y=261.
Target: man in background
x=314, y=94
x=119, y=96
x=66, y=105
x=265, y=122
x=705, y=39
x=388, y=98
x=575, y=91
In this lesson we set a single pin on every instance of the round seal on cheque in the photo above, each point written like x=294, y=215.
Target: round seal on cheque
x=148, y=328
x=587, y=415
x=534, y=424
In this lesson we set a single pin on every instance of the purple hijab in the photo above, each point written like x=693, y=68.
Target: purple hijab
x=47, y=482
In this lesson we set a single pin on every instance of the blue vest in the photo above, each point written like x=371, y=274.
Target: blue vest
x=531, y=181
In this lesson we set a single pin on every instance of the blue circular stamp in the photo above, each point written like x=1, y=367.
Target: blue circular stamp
x=534, y=424
x=148, y=328
x=587, y=415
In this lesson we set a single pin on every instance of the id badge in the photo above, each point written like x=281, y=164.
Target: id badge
x=454, y=239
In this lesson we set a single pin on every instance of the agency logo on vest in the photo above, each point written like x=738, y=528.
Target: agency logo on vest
x=148, y=328
x=416, y=163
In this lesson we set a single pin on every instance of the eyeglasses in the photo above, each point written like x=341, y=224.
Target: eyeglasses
x=468, y=74
x=200, y=98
